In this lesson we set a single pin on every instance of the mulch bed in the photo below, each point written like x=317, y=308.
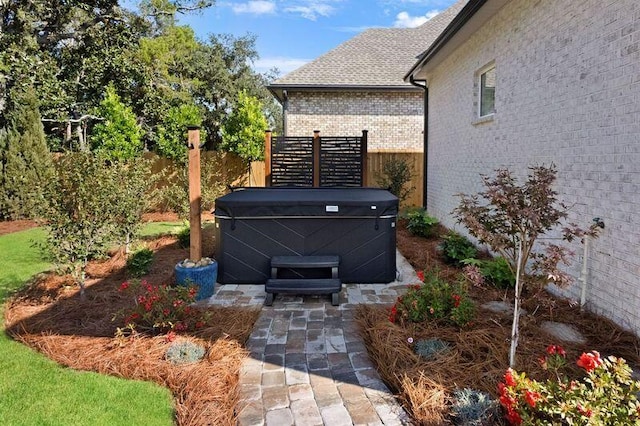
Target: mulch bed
x=480, y=352
x=79, y=332
x=7, y=227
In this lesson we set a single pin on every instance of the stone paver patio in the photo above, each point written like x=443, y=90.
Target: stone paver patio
x=308, y=364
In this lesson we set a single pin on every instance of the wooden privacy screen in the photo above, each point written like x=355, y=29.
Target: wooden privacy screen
x=315, y=161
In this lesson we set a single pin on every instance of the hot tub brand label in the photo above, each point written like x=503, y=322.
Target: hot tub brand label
x=374, y=207
x=331, y=209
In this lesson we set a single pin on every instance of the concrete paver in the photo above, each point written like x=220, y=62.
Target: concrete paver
x=308, y=364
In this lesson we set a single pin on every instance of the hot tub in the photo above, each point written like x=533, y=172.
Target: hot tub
x=356, y=224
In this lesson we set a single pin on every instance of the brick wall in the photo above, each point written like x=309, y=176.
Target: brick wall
x=568, y=92
x=394, y=119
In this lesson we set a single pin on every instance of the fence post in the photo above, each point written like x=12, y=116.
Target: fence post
x=267, y=158
x=195, y=196
x=364, y=161
x=316, y=158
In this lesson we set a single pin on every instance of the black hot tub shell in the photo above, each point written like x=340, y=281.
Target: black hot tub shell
x=356, y=224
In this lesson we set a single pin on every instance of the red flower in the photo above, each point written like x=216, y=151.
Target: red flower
x=166, y=312
x=589, y=361
x=180, y=326
x=124, y=286
x=543, y=362
x=509, y=379
x=556, y=350
x=177, y=303
x=393, y=314
x=531, y=397
x=513, y=417
x=170, y=337
x=456, y=300
x=420, y=275
x=199, y=324
x=584, y=411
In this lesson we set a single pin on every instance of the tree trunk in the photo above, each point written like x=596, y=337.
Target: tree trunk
x=516, y=310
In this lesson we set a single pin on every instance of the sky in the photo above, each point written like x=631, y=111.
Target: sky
x=292, y=32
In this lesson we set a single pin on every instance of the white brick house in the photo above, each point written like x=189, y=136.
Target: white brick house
x=566, y=76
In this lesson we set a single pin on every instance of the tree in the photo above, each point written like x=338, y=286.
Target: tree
x=172, y=134
x=243, y=130
x=511, y=218
x=118, y=137
x=25, y=158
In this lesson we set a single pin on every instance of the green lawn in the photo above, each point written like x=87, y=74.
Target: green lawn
x=158, y=228
x=36, y=391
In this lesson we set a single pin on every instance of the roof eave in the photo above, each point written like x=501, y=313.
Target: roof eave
x=278, y=89
x=448, y=37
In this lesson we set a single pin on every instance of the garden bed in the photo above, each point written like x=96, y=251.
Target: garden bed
x=479, y=353
x=80, y=332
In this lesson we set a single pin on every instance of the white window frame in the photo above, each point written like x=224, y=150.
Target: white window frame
x=482, y=71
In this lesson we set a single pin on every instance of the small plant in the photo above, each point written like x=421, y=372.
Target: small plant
x=184, y=352
x=435, y=299
x=472, y=407
x=161, y=308
x=498, y=272
x=139, y=262
x=396, y=174
x=429, y=348
x=184, y=237
x=606, y=396
x=421, y=224
x=455, y=248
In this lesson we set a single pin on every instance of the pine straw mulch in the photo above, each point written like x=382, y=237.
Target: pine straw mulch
x=479, y=353
x=50, y=316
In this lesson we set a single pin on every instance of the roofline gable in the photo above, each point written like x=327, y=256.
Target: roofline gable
x=456, y=32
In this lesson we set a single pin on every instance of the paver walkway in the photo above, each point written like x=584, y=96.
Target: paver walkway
x=308, y=364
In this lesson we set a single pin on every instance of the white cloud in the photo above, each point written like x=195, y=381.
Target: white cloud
x=404, y=20
x=283, y=64
x=311, y=10
x=255, y=7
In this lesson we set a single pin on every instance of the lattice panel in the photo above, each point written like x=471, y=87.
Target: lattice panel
x=292, y=161
x=341, y=161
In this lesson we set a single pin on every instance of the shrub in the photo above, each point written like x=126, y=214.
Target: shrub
x=471, y=407
x=455, y=248
x=172, y=134
x=25, y=161
x=396, y=174
x=184, y=237
x=185, y=352
x=498, y=272
x=139, y=262
x=429, y=348
x=606, y=396
x=243, y=130
x=79, y=212
x=118, y=137
x=161, y=308
x=434, y=299
x=421, y=224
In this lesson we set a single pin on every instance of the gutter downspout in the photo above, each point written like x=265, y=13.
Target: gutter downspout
x=425, y=137
x=285, y=108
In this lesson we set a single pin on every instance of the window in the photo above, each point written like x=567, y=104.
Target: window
x=487, y=86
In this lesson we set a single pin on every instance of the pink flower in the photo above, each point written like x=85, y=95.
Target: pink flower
x=124, y=286
x=420, y=275
x=410, y=340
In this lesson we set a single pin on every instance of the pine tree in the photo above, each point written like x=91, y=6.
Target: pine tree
x=25, y=157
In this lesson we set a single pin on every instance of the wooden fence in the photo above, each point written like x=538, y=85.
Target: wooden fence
x=232, y=170
x=375, y=164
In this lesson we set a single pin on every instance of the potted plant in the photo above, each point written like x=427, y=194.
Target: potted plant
x=202, y=273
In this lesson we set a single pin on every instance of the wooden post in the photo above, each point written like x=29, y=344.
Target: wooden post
x=364, y=153
x=194, y=193
x=267, y=158
x=316, y=158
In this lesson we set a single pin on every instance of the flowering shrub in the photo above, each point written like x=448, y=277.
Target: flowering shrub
x=605, y=396
x=434, y=299
x=162, y=308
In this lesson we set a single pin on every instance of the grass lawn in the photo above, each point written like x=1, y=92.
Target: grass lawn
x=35, y=390
x=161, y=228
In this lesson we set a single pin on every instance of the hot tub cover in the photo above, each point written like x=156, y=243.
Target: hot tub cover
x=339, y=202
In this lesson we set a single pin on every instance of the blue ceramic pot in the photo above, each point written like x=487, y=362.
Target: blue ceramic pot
x=202, y=276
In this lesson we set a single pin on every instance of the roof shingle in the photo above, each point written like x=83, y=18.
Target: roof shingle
x=376, y=57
